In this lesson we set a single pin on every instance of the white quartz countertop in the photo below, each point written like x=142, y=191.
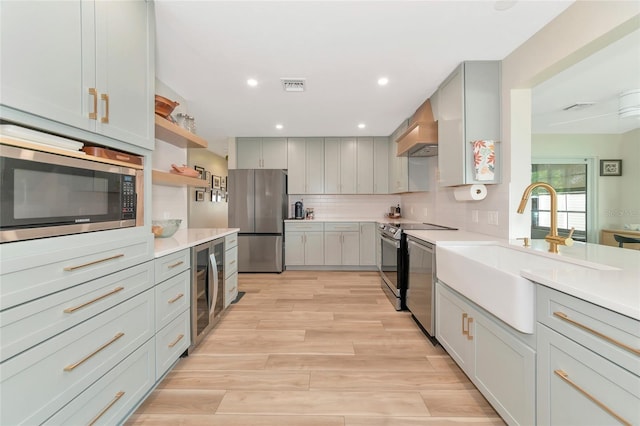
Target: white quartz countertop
x=186, y=238
x=380, y=219
x=616, y=288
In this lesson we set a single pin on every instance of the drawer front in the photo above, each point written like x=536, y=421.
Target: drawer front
x=171, y=342
x=612, y=335
x=56, y=371
x=230, y=240
x=27, y=325
x=171, y=265
x=172, y=297
x=304, y=226
x=579, y=387
x=109, y=400
x=231, y=261
x=342, y=226
x=28, y=275
x=230, y=289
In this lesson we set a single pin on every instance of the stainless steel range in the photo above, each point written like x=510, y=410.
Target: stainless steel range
x=393, y=258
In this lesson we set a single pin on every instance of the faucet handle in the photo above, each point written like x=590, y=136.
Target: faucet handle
x=571, y=231
x=525, y=242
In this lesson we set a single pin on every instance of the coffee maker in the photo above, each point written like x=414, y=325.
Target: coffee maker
x=299, y=210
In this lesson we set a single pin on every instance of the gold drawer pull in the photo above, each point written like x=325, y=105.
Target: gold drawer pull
x=464, y=332
x=105, y=409
x=178, y=263
x=469, y=321
x=93, y=115
x=232, y=242
x=105, y=117
x=566, y=318
x=86, y=358
x=176, y=298
x=175, y=342
x=232, y=262
x=84, y=265
x=75, y=308
x=565, y=377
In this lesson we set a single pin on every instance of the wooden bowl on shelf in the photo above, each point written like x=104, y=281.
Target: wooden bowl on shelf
x=164, y=106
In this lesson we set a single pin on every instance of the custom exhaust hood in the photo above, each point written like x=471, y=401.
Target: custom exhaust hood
x=421, y=137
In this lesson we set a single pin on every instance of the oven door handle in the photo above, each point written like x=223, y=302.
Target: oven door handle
x=395, y=243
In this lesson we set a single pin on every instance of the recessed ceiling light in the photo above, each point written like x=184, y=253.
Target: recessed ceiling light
x=252, y=82
x=502, y=5
x=382, y=81
x=361, y=126
x=279, y=126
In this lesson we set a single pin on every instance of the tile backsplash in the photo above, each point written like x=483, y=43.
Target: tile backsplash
x=347, y=206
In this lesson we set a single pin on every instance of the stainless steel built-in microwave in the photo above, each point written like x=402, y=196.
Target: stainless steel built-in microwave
x=44, y=194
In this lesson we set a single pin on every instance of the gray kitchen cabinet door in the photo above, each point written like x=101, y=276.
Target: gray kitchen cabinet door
x=274, y=153
x=348, y=165
x=332, y=248
x=294, y=248
x=314, y=166
x=41, y=60
x=125, y=71
x=380, y=165
x=314, y=248
x=296, y=157
x=368, y=243
x=249, y=153
x=365, y=170
x=350, y=248
x=332, y=166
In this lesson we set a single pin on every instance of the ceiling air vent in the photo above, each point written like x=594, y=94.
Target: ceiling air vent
x=293, y=84
x=579, y=106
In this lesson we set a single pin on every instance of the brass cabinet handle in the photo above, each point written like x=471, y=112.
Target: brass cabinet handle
x=232, y=262
x=82, y=305
x=71, y=367
x=175, y=298
x=464, y=332
x=105, y=409
x=178, y=263
x=618, y=343
x=232, y=242
x=565, y=377
x=105, y=117
x=175, y=342
x=93, y=115
x=84, y=265
x=469, y=321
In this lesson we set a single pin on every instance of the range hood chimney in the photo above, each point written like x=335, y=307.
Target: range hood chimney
x=421, y=137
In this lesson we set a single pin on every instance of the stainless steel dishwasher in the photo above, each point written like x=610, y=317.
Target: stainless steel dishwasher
x=421, y=283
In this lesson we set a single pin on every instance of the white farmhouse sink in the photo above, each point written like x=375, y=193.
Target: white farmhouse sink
x=489, y=275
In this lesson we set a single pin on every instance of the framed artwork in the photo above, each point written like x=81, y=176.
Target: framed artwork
x=223, y=182
x=207, y=175
x=610, y=167
x=199, y=195
x=215, y=184
x=199, y=170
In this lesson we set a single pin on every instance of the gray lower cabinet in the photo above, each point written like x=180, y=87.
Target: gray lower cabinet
x=588, y=368
x=304, y=243
x=497, y=359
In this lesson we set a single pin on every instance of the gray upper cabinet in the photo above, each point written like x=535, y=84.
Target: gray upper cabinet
x=365, y=166
x=262, y=153
x=82, y=63
x=468, y=109
x=398, y=166
x=340, y=165
x=306, y=165
x=380, y=165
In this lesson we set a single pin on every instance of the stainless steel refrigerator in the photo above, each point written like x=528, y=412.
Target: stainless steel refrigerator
x=258, y=205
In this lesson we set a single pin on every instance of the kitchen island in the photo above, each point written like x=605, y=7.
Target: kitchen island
x=583, y=348
x=187, y=238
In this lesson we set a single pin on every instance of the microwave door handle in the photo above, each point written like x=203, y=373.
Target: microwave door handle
x=214, y=271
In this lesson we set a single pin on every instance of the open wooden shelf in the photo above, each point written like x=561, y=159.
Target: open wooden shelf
x=176, y=135
x=172, y=179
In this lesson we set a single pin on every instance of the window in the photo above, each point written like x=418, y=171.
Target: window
x=570, y=182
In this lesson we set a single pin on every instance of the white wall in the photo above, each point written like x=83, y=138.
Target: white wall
x=207, y=214
x=629, y=208
x=353, y=207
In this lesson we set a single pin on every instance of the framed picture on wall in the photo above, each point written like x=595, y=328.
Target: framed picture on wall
x=223, y=182
x=215, y=184
x=207, y=175
x=199, y=170
x=610, y=167
x=199, y=195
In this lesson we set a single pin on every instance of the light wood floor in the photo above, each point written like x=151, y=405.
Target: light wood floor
x=315, y=349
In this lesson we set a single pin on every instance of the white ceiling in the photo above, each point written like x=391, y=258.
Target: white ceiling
x=599, y=78
x=206, y=51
